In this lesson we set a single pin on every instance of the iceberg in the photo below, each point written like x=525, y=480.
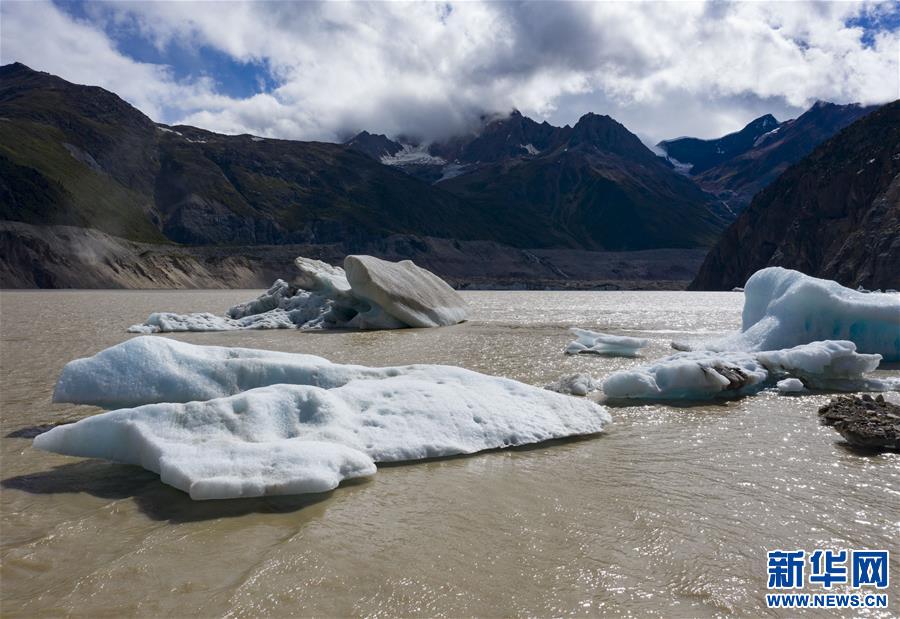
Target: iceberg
x=574, y=384
x=591, y=342
x=828, y=365
x=689, y=375
x=368, y=293
x=790, y=385
x=229, y=422
x=413, y=295
x=785, y=308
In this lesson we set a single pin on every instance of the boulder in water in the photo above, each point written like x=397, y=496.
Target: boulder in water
x=864, y=421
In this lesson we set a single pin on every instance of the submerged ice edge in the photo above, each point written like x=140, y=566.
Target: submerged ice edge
x=226, y=423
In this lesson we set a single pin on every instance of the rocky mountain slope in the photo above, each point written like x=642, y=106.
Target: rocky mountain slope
x=72, y=257
x=595, y=182
x=78, y=155
x=81, y=156
x=602, y=186
x=701, y=155
x=736, y=167
x=835, y=214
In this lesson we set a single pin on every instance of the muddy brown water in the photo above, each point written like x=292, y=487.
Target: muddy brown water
x=669, y=513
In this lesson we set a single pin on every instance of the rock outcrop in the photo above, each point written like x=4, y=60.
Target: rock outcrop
x=864, y=421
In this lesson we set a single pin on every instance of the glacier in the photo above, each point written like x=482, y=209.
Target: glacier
x=592, y=342
x=229, y=422
x=827, y=365
x=368, y=293
x=785, y=308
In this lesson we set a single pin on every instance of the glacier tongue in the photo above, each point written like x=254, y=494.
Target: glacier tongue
x=231, y=422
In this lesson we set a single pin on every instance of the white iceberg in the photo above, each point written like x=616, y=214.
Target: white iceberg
x=784, y=308
x=574, y=384
x=829, y=365
x=823, y=365
x=230, y=426
x=592, y=342
x=413, y=295
x=688, y=375
x=791, y=385
x=370, y=294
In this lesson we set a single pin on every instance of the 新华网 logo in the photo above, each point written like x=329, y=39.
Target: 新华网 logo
x=863, y=572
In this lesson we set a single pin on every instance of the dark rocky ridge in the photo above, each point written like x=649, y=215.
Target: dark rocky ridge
x=704, y=154
x=835, y=214
x=743, y=168
x=78, y=155
x=864, y=421
x=601, y=185
x=595, y=181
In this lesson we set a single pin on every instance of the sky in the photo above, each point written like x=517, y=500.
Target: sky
x=323, y=71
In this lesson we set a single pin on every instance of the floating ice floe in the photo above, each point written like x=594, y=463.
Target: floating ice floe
x=591, y=342
x=829, y=365
x=688, y=375
x=790, y=385
x=784, y=308
x=368, y=293
x=223, y=423
x=574, y=384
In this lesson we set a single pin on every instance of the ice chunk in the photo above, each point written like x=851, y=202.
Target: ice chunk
x=604, y=344
x=319, y=276
x=413, y=295
x=790, y=385
x=285, y=438
x=574, y=384
x=832, y=365
x=820, y=360
x=387, y=295
x=689, y=375
x=784, y=308
x=156, y=369
x=167, y=322
x=204, y=456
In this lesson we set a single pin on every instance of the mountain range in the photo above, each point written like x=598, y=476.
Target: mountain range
x=80, y=155
x=737, y=166
x=835, y=214
x=73, y=155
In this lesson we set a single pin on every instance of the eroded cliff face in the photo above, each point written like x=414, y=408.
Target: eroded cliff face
x=73, y=257
x=835, y=214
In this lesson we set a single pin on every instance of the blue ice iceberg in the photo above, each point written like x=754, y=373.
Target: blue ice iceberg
x=785, y=308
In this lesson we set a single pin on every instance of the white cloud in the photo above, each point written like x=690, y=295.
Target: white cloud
x=432, y=69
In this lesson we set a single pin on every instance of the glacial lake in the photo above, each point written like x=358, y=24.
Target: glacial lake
x=667, y=514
